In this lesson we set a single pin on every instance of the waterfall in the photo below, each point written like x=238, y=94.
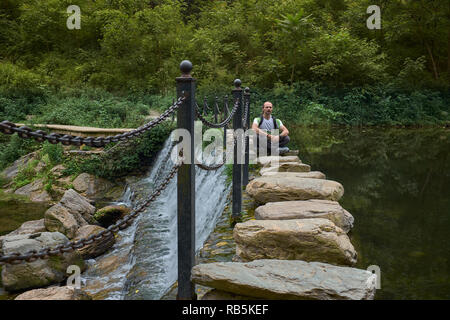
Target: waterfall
x=147, y=250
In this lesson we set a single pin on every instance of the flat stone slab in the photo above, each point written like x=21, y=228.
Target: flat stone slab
x=311, y=174
x=54, y=293
x=287, y=280
x=299, y=239
x=275, y=188
x=286, y=167
x=306, y=209
x=266, y=160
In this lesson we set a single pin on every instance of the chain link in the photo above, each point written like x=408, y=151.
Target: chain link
x=25, y=132
x=218, y=125
x=30, y=256
x=246, y=114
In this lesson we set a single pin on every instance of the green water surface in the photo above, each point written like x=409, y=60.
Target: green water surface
x=15, y=210
x=397, y=184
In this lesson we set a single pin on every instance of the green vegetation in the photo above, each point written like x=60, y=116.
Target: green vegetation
x=134, y=157
x=315, y=59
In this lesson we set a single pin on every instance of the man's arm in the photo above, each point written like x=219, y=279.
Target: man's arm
x=258, y=130
x=284, y=131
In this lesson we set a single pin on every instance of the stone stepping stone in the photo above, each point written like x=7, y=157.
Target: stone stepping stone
x=286, y=167
x=307, y=209
x=287, y=280
x=299, y=239
x=266, y=160
x=275, y=188
x=54, y=293
x=311, y=174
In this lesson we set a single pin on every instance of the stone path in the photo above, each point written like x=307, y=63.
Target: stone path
x=297, y=248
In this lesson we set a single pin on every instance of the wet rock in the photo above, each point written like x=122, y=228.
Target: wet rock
x=78, y=205
x=54, y=293
x=107, y=264
x=58, y=218
x=12, y=171
x=299, y=239
x=215, y=294
x=91, y=186
x=96, y=248
x=39, y=273
x=267, y=160
x=287, y=280
x=286, y=167
x=311, y=174
x=326, y=209
x=58, y=170
x=28, y=227
x=35, y=191
x=108, y=215
x=275, y=188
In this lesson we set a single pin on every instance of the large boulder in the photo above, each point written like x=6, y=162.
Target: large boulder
x=307, y=209
x=215, y=294
x=58, y=218
x=287, y=280
x=39, y=273
x=91, y=186
x=108, y=215
x=78, y=205
x=35, y=191
x=275, y=188
x=299, y=239
x=54, y=293
x=311, y=174
x=28, y=227
x=286, y=167
x=96, y=248
x=12, y=171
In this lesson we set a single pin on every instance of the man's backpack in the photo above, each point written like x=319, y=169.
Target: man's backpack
x=276, y=122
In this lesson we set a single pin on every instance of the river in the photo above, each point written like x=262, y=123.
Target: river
x=396, y=186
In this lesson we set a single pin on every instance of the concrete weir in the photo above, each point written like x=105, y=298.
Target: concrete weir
x=297, y=248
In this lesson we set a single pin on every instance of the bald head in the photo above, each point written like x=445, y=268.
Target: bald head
x=267, y=109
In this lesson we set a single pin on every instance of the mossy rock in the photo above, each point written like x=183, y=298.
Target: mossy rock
x=110, y=214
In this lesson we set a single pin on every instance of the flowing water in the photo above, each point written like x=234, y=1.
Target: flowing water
x=396, y=186
x=143, y=263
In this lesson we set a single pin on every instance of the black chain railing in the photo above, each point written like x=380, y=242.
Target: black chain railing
x=217, y=125
x=33, y=255
x=25, y=132
x=246, y=115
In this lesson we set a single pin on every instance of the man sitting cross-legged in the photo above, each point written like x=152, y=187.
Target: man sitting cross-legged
x=265, y=126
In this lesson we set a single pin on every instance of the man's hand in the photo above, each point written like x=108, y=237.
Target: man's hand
x=274, y=138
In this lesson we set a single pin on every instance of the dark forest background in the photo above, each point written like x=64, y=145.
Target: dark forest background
x=315, y=59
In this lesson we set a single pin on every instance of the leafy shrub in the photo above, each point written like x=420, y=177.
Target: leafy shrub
x=134, y=157
x=316, y=113
x=25, y=174
x=12, y=148
x=55, y=152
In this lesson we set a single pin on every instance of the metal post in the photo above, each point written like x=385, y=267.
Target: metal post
x=225, y=115
x=205, y=109
x=247, y=138
x=237, y=168
x=216, y=108
x=186, y=188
